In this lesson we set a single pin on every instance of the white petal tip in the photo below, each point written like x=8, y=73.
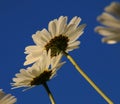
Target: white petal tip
x=109, y=41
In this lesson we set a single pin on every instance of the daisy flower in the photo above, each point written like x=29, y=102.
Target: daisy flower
x=111, y=21
x=60, y=37
x=39, y=73
x=6, y=98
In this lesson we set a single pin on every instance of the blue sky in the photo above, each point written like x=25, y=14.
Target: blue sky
x=20, y=19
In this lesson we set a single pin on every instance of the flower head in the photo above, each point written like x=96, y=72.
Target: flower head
x=111, y=19
x=6, y=98
x=40, y=72
x=60, y=37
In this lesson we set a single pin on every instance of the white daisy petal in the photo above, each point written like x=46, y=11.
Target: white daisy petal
x=56, y=60
x=72, y=48
x=73, y=31
x=109, y=20
x=76, y=20
x=6, y=98
x=62, y=25
x=33, y=56
x=52, y=28
x=31, y=49
x=107, y=31
x=26, y=73
x=48, y=59
x=37, y=38
x=70, y=29
x=58, y=22
x=31, y=59
x=111, y=39
x=76, y=43
x=77, y=33
x=45, y=35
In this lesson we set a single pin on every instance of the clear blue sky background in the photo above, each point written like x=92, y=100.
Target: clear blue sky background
x=19, y=19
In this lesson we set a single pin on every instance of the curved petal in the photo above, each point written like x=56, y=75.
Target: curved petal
x=52, y=28
x=111, y=39
x=109, y=20
x=75, y=20
x=107, y=31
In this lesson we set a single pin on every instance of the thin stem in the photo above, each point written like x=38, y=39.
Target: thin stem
x=87, y=78
x=49, y=93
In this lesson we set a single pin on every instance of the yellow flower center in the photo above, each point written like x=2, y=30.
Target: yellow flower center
x=42, y=78
x=57, y=44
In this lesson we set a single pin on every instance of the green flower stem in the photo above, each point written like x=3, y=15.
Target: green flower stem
x=87, y=78
x=49, y=93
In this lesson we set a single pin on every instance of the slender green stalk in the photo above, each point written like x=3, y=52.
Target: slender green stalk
x=87, y=78
x=49, y=93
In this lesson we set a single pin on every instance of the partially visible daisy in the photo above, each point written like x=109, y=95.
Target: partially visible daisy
x=40, y=72
x=60, y=37
x=111, y=21
x=6, y=98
